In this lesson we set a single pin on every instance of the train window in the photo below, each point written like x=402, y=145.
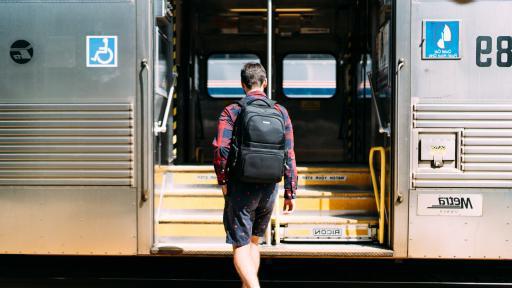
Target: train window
x=309, y=75
x=162, y=65
x=224, y=74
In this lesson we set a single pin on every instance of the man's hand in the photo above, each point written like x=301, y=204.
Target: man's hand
x=289, y=206
x=224, y=189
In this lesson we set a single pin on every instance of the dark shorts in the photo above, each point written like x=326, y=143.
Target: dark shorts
x=247, y=211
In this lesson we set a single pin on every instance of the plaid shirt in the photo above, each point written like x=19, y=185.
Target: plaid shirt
x=222, y=145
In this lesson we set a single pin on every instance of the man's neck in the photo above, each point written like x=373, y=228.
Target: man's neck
x=260, y=90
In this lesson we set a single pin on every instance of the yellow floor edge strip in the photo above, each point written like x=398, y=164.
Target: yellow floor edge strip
x=308, y=169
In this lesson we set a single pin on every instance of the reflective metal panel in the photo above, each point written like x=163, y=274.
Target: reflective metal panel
x=67, y=220
x=464, y=79
x=69, y=127
x=57, y=71
x=466, y=98
x=486, y=237
x=49, y=143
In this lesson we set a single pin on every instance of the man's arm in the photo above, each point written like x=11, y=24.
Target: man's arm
x=222, y=144
x=290, y=173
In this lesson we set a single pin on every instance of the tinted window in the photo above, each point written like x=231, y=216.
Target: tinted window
x=224, y=74
x=309, y=75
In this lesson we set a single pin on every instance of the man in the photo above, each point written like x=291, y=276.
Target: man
x=248, y=206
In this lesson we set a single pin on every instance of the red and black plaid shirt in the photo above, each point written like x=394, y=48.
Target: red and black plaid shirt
x=222, y=145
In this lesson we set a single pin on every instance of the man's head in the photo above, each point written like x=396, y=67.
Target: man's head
x=254, y=77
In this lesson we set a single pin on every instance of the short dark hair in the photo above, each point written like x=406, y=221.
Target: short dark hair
x=253, y=74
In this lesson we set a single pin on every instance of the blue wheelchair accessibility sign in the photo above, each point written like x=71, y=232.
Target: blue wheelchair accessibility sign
x=441, y=39
x=101, y=51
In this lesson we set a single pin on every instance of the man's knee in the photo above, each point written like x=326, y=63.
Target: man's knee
x=255, y=240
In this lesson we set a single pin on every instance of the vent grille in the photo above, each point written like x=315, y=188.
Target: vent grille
x=486, y=144
x=66, y=144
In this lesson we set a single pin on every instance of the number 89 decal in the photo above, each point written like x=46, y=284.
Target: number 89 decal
x=503, y=51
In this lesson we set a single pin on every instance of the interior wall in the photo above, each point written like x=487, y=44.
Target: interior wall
x=337, y=130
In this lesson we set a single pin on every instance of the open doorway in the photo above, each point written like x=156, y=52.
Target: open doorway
x=324, y=53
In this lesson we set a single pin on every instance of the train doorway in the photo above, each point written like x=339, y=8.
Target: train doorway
x=329, y=64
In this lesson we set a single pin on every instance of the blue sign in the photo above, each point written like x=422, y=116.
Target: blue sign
x=101, y=51
x=442, y=39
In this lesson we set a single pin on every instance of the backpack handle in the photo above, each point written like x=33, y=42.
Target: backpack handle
x=243, y=102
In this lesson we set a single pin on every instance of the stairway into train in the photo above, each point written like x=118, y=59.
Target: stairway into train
x=336, y=214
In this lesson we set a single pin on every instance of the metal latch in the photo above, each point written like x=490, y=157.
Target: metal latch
x=438, y=161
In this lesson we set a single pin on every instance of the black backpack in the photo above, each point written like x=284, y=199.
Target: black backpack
x=258, y=151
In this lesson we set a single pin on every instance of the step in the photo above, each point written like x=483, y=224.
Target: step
x=307, y=199
x=189, y=230
x=334, y=204
x=318, y=200
x=185, y=175
x=190, y=222
x=300, y=226
x=326, y=217
x=191, y=216
x=300, y=169
x=363, y=205
x=315, y=192
x=191, y=202
x=325, y=226
x=216, y=246
x=192, y=246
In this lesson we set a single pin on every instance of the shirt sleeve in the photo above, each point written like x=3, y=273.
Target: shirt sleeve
x=222, y=144
x=290, y=172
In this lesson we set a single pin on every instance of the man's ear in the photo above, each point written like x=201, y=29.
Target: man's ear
x=244, y=87
x=264, y=85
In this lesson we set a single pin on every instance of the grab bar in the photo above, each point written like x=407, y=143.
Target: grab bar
x=379, y=196
x=161, y=126
x=400, y=65
x=144, y=67
x=383, y=130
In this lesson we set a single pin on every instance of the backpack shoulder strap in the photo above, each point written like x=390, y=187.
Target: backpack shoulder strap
x=280, y=109
x=242, y=102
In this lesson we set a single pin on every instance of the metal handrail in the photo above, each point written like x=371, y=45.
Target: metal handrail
x=399, y=67
x=383, y=130
x=144, y=67
x=379, y=197
x=161, y=126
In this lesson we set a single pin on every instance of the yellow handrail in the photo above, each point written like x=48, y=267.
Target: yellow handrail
x=379, y=199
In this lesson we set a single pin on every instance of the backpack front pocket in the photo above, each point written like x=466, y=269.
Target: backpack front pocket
x=261, y=166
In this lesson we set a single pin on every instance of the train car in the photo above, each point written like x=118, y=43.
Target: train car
x=400, y=110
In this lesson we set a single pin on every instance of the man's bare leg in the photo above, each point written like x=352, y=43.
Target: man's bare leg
x=244, y=264
x=255, y=252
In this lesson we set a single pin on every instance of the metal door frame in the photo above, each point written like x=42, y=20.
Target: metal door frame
x=401, y=127
x=270, y=20
x=144, y=59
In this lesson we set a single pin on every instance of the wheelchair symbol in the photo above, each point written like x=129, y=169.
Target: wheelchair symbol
x=101, y=51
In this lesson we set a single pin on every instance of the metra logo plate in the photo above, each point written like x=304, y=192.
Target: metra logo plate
x=450, y=204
